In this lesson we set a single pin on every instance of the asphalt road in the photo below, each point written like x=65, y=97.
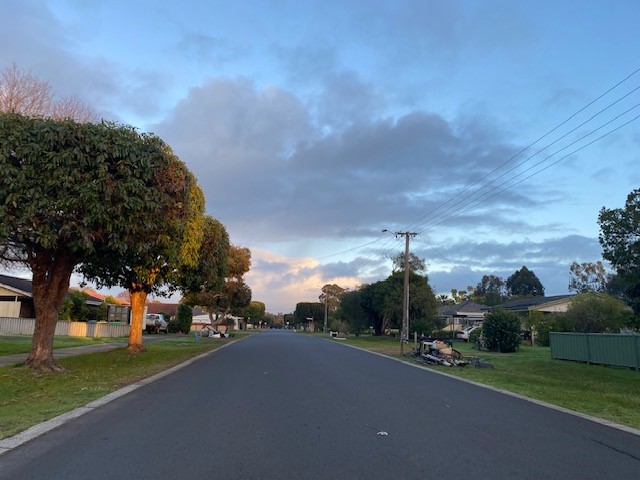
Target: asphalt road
x=280, y=405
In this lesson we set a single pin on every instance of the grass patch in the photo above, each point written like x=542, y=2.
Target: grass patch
x=26, y=399
x=12, y=344
x=606, y=392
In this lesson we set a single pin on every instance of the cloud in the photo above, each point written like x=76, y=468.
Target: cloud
x=270, y=173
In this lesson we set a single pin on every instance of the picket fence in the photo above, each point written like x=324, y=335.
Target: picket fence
x=25, y=326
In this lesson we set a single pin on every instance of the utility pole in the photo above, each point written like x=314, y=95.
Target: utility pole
x=404, y=335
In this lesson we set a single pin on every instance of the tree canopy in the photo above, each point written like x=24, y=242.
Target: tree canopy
x=491, y=290
x=620, y=240
x=66, y=190
x=587, y=277
x=524, y=282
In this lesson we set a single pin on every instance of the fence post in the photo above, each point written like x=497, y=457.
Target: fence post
x=636, y=340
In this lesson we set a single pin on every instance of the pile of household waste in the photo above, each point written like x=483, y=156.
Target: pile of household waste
x=213, y=333
x=441, y=352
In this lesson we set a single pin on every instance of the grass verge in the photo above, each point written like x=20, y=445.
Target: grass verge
x=609, y=393
x=11, y=344
x=26, y=399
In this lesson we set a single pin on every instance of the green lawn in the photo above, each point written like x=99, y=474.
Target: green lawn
x=605, y=392
x=10, y=344
x=26, y=399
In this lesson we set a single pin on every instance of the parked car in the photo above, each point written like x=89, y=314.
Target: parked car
x=156, y=323
x=465, y=332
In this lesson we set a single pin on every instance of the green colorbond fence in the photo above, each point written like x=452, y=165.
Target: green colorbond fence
x=603, y=348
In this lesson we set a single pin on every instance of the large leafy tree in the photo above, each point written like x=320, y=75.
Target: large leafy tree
x=382, y=302
x=309, y=310
x=330, y=296
x=256, y=311
x=172, y=242
x=620, y=240
x=524, y=282
x=67, y=189
x=351, y=310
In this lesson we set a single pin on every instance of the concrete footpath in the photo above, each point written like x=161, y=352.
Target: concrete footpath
x=58, y=353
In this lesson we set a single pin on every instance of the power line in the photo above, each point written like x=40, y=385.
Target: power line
x=537, y=141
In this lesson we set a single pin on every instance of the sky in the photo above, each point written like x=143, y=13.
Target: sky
x=314, y=125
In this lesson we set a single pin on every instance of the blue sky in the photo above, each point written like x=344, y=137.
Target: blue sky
x=312, y=125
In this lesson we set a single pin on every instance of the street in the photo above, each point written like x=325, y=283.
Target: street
x=283, y=405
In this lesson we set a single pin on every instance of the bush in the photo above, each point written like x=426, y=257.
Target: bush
x=422, y=327
x=184, y=317
x=441, y=334
x=501, y=331
x=598, y=313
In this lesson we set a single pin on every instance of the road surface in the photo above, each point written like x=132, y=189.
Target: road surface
x=279, y=405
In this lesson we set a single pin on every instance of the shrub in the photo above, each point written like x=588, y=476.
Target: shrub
x=501, y=331
x=422, y=326
x=184, y=317
x=598, y=313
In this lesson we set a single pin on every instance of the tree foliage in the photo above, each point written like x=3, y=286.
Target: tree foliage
x=255, y=311
x=380, y=304
x=587, y=277
x=332, y=295
x=184, y=317
x=620, y=240
x=352, y=312
x=309, y=311
x=524, y=282
x=594, y=312
x=501, y=331
x=168, y=240
x=491, y=290
x=416, y=264
x=67, y=190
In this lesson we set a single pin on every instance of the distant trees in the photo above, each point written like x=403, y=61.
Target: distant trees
x=380, y=304
x=524, y=282
x=491, y=290
x=23, y=93
x=620, y=240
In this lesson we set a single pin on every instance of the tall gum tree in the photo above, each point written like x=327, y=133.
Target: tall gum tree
x=169, y=241
x=66, y=190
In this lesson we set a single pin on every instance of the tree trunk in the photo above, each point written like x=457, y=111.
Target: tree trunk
x=51, y=277
x=138, y=300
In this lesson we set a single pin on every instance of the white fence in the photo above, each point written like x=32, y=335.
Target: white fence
x=25, y=326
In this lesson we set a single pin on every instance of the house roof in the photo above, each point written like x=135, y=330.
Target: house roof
x=524, y=304
x=20, y=285
x=468, y=306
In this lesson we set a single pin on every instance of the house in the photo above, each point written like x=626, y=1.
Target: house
x=16, y=299
x=462, y=314
x=555, y=304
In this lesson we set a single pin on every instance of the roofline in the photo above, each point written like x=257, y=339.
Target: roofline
x=14, y=289
x=552, y=302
